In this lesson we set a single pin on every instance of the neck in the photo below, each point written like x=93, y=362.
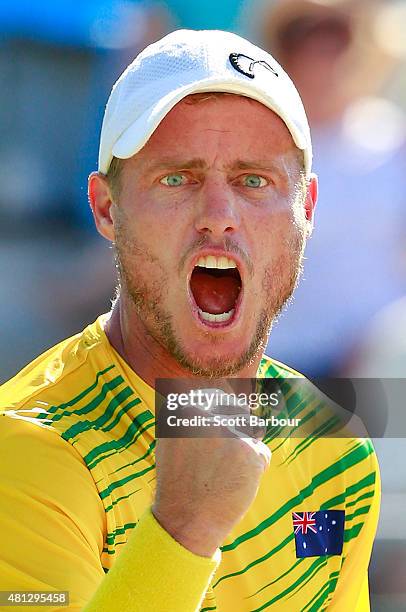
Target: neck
x=147, y=357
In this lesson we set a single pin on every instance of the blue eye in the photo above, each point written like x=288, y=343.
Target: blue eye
x=254, y=181
x=173, y=180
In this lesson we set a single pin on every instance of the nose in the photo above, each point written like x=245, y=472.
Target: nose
x=216, y=212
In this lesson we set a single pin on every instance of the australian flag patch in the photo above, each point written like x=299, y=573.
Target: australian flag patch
x=318, y=533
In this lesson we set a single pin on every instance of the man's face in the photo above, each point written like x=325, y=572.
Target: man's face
x=210, y=221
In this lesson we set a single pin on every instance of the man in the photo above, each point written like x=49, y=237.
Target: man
x=205, y=188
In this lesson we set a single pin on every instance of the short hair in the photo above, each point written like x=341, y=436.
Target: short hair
x=113, y=176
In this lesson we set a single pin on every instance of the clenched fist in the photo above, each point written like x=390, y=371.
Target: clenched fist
x=205, y=486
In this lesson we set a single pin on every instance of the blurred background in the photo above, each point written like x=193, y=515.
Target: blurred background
x=58, y=61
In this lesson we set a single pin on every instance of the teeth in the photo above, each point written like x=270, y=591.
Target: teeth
x=211, y=262
x=216, y=318
x=223, y=263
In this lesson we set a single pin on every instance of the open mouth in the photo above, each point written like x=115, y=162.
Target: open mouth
x=216, y=284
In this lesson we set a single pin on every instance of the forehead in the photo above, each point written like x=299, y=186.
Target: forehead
x=206, y=120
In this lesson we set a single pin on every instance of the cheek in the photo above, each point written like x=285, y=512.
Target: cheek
x=278, y=247
x=161, y=223
x=148, y=253
x=138, y=229
x=274, y=233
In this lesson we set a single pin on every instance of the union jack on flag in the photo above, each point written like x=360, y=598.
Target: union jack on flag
x=303, y=521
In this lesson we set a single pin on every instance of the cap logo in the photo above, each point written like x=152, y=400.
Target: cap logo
x=245, y=64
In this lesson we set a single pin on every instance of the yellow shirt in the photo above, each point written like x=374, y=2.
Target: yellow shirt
x=77, y=479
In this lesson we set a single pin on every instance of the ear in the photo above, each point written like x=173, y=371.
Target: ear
x=101, y=202
x=311, y=200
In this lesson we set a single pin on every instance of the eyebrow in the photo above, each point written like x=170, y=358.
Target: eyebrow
x=172, y=162
x=259, y=165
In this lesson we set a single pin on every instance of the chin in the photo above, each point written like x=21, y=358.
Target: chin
x=220, y=367
x=216, y=357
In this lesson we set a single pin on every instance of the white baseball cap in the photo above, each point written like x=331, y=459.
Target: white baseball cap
x=192, y=61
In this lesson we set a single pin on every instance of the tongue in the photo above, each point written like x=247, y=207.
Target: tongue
x=214, y=294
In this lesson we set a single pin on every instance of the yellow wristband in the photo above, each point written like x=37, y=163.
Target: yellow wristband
x=154, y=573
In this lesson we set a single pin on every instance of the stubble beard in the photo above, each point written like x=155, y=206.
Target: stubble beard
x=147, y=300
